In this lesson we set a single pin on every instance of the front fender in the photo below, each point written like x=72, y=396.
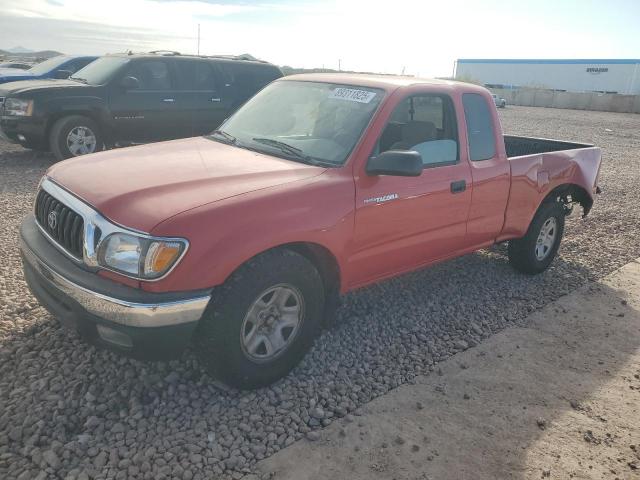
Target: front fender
x=94, y=107
x=226, y=234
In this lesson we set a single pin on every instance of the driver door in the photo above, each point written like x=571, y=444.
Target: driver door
x=402, y=223
x=146, y=113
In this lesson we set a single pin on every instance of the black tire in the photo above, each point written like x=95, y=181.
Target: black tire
x=522, y=251
x=218, y=340
x=60, y=131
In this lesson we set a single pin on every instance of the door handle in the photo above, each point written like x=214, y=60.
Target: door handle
x=168, y=100
x=459, y=186
x=215, y=99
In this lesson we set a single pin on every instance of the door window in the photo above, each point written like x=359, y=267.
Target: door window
x=204, y=78
x=151, y=74
x=196, y=75
x=425, y=124
x=482, y=143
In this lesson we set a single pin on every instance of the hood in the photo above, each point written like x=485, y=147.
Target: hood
x=139, y=187
x=25, y=85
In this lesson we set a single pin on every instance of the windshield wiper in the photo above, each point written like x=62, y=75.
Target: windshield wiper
x=80, y=79
x=292, y=151
x=286, y=148
x=227, y=136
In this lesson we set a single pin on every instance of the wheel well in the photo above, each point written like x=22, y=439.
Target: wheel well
x=568, y=194
x=323, y=260
x=57, y=116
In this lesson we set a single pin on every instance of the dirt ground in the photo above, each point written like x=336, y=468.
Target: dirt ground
x=557, y=399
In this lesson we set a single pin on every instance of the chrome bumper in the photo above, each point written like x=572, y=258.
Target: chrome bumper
x=126, y=313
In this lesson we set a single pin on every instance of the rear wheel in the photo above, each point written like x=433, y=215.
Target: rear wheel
x=74, y=136
x=534, y=252
x=263, y=320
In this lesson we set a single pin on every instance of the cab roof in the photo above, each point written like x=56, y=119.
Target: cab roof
x=385, y=82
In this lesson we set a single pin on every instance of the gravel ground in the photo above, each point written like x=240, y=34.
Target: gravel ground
x=68, y=410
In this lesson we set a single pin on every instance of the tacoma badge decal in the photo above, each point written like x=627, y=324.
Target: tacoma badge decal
x=384, y=198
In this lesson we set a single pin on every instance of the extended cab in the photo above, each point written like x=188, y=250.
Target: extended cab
x=242, y=241
x=124, y=98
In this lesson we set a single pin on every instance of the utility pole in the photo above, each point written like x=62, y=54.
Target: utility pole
x=198, y=39
x=339, y=65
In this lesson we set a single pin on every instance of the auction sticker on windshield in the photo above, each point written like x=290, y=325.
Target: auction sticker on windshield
x=352, y=94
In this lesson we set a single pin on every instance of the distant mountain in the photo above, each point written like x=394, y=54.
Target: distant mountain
x=19, y=50
x=44, y=54
x=287, y=70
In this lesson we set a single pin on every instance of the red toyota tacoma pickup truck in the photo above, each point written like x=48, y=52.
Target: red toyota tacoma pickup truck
x=241, y=242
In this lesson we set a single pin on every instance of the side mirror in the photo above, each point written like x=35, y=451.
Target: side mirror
x=62, y=74
x=398, y=163
x=130, y=83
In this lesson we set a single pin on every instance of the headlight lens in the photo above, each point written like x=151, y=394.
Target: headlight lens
x=18, y=107
x=140, y=257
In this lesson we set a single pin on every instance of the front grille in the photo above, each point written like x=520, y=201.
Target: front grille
x=65, y=226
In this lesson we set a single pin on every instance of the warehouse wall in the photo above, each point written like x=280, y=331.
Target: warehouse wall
x=623, y=78
x=578, y=101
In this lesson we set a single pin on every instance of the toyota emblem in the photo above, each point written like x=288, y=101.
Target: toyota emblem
x=52, y=220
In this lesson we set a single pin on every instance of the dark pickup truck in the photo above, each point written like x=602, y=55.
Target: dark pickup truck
x=129, y=99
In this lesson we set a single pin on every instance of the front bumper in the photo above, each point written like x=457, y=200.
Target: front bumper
x=129, y=320
x=23, y=130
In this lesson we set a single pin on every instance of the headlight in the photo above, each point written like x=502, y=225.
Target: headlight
x=18, y=107
x=140, y=257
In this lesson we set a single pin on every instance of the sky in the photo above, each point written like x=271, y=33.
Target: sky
x=418, y=37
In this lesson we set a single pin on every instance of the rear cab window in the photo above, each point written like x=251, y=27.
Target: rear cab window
x=480, y=129
x=425, y=123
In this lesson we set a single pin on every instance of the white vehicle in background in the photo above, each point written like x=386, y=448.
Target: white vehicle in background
x=500, y=102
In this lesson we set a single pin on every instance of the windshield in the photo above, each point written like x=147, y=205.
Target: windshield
x=304, y=121
x=100, y=71
x=48, y=65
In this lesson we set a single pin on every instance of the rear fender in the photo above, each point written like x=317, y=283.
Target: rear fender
x=569, y=175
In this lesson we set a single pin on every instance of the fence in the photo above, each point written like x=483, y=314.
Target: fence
x=605, y=102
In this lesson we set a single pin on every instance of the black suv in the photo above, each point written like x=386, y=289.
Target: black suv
x=129, y=98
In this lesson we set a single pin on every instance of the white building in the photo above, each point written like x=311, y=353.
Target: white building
x=607, y=76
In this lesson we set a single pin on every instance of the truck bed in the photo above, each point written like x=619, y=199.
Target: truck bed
x=540, y=166
x=517, y=146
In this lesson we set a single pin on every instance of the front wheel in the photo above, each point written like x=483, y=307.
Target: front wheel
x=262, y=321
x=534, y=252
x=73, y=136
